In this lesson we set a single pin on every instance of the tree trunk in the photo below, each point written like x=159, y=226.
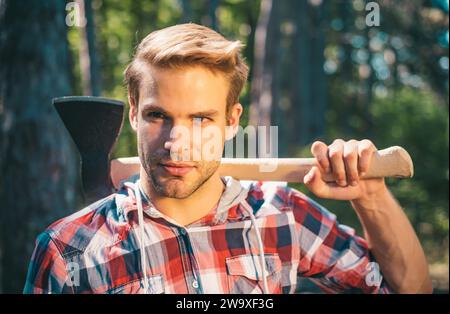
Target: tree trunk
x=318, y=77
x=90, y=73
x=347, y=15
x=187, y=11
x=37, y=163
x=213, y=5
x=265, y=87
x=301, y=89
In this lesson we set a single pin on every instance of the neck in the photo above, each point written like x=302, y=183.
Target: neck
x=187, y=210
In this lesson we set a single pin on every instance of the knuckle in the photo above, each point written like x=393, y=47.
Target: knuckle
x=350, y=155
x=365, y=151
x=335, y=154
x=362, y=167
x=367, y=144
x=340, y=175
x=353, y=174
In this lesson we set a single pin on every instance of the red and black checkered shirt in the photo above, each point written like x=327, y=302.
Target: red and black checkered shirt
x=96, y=250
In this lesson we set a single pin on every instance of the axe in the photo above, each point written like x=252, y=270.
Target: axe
x=95, y=123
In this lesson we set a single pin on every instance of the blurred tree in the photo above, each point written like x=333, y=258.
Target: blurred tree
x=187, y=11
x=212, y=6
x=90, y=74
x=265, y=83
x=307, y=79
x=412, y=119
x=419, y=33
x=288, y=86
x=390, y=84
x=37, y=162
x=407, y=49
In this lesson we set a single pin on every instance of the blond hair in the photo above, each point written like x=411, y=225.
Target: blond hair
x=189, y=45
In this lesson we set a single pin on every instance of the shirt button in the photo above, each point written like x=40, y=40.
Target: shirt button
x=195, y=284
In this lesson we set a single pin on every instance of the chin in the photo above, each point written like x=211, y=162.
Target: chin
x=175, y=188
x=179, y=194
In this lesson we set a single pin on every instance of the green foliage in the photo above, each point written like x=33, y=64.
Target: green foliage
x=415, y=120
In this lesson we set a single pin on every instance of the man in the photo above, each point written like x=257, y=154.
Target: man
x=181, y=228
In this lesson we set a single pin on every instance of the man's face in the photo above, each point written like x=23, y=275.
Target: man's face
x=191, y=100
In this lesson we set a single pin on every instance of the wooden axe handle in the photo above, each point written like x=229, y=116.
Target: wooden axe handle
x=390, y=162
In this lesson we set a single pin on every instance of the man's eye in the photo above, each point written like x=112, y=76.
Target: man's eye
x=202, y=119
x=156, y=115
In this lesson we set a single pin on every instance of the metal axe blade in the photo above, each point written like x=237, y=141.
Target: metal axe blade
x=94, y=123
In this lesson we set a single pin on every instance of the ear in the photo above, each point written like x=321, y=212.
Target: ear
x=133, y=113
x=233, y=120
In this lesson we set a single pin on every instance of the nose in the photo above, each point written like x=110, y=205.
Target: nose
x=184, y=140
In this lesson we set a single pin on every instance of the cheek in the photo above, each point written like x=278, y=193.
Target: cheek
x=152, y=131
x=151, y=134
x=212, y=142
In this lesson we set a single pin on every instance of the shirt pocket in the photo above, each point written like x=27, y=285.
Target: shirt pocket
x=155, y=286
x=244, y=273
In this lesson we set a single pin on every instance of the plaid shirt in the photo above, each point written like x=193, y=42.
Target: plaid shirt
x=96, y=250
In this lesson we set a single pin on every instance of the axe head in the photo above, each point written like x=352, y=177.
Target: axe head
x=94, y=123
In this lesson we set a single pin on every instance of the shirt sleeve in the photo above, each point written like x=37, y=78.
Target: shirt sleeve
x=331, y=255
x=47, y=272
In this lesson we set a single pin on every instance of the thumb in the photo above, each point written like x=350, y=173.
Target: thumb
x=314, y=183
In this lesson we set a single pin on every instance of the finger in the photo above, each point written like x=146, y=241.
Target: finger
x=351, y=161
x=320, y=152
x=365, y=153
x=314, y=183
x=347, y=193
x=335, y=154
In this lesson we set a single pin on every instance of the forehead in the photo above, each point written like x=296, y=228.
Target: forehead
x=185, y=89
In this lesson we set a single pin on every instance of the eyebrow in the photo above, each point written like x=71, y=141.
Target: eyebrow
x=206, y=113
x=154, y=108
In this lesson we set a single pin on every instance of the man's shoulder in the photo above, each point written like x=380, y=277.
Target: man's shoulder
x=76, y=231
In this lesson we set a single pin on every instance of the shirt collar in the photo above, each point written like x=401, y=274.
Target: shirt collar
x=227, y=207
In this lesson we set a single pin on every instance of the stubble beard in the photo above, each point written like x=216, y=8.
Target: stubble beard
x=173, y=186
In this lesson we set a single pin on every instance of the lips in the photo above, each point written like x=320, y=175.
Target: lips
x=176, y=169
